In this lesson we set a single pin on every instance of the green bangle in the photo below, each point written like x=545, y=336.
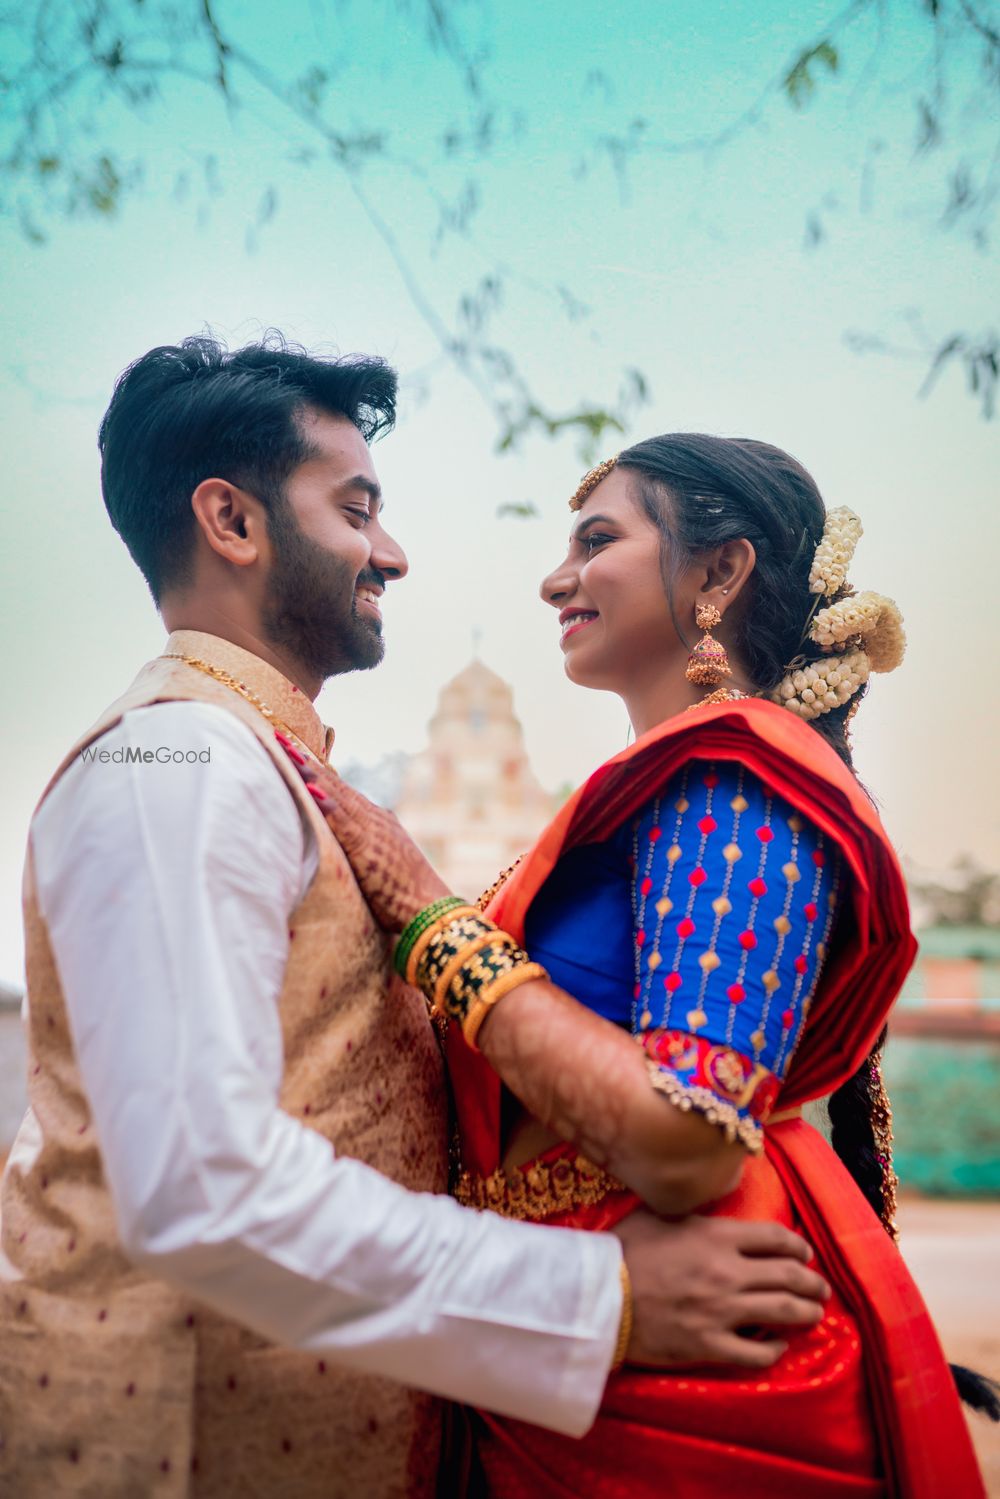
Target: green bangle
x=413, y=929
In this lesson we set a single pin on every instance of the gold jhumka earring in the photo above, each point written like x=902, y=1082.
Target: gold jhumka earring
x=708, y=664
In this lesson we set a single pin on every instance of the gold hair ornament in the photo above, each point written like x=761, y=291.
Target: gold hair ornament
x=590, y=481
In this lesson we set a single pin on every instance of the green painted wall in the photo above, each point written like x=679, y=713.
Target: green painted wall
x=946, y=1114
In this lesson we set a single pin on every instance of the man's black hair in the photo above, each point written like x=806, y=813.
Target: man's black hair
x=193, y=411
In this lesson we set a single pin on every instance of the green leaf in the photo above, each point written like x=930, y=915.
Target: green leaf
x=520, y=509
x=799, y=82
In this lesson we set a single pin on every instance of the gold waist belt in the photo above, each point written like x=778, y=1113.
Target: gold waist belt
x=538, y=1190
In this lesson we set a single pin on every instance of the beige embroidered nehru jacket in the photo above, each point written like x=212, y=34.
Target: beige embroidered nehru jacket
x=115, y=1383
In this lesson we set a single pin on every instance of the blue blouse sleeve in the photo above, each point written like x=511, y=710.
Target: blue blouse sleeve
x=734, y=894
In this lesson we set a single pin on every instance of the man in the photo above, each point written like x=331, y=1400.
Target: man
x=229, y=1265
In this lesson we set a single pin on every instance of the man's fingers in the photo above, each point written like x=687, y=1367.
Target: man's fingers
x=769, y=1238
x=785, y=1275
x=745, y=1353
x=774, y=1309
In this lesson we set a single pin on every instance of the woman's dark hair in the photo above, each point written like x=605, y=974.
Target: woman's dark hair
x=700, y=492
x=192, y=411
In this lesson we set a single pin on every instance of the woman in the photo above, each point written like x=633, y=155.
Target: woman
x=724, y=909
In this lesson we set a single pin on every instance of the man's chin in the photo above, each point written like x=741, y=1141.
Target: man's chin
x=365, y=651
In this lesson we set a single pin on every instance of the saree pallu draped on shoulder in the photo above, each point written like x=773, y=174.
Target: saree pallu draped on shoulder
x=866, y=1406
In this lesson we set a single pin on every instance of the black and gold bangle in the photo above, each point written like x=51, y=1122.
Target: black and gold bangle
x=449, y=939
x=437, y=934
x=418, y=925
x=481, y=1007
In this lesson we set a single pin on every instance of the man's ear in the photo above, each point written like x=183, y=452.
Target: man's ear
x=232, y=522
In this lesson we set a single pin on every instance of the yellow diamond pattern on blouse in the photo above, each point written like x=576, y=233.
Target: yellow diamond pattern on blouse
x=709, y=961
x=644, y=1020
x=721, y=906
x=654, y=960
x=732, y=852
x=795, y=822
x=664, y=906
x=782, y=925
x=791, y=872
x=739, y=803
x=681, y=804
x=696, y=1019
x=757, y=1040
x=770, y=980
x=673, y=853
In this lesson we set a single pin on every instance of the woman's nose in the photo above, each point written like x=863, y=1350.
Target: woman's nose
x=558, y=585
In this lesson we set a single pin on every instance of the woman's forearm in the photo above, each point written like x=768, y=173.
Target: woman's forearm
x=588, y=1082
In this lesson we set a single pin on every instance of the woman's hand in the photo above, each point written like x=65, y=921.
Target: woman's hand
x=395, y=878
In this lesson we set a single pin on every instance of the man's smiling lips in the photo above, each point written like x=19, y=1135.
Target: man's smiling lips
x=574, y=619
x=367, y=598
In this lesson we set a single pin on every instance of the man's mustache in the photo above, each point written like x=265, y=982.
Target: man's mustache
x=370, y=577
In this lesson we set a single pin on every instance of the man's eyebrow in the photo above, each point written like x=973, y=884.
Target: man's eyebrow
x=592, y=520
x=361, y=481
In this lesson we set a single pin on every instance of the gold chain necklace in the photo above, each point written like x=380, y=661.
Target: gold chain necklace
x=244, y=691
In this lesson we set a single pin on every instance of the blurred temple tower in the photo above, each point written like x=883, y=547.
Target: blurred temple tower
x=471, y=799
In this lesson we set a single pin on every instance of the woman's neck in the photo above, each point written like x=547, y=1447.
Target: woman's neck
x=659, y=701
x=651, y=703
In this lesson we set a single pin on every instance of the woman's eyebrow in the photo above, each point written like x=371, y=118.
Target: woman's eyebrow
x=592, y=520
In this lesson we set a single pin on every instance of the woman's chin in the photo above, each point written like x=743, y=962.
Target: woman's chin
x=586, y=673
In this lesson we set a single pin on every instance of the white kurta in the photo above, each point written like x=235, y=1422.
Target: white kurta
x=167, y=889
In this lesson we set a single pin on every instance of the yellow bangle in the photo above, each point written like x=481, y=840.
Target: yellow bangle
x=628, y=1317
x=523, y=974
x=426, y=937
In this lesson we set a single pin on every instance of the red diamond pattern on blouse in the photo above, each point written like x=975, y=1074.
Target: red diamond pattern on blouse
x=763, y=971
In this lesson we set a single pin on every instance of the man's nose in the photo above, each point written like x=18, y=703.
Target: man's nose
x=388, y=556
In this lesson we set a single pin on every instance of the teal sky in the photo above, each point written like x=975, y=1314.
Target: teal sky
x=695, y=273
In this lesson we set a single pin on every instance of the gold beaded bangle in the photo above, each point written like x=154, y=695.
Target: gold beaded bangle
x=628, y=1317
x=454, y=966
x=427, y=936
x=481, y=1007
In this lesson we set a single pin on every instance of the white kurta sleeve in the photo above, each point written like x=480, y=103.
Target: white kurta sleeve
x=167, y=888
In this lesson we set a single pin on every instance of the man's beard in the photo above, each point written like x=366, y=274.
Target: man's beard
x=311, y=609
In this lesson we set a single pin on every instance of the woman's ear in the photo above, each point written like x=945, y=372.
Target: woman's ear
x=727, y=573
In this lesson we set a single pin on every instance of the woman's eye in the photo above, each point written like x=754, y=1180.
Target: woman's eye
x=360, y=515
x=595, y=539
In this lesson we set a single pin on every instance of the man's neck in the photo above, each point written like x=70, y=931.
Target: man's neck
x=215, y=621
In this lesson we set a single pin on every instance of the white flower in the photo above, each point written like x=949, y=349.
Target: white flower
x=872, y=616
x=841, y=534
x=832, y=683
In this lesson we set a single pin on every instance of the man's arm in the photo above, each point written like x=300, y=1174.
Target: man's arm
x=167, y=889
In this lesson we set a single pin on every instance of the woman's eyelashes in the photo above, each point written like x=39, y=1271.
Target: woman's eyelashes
x=594, y=540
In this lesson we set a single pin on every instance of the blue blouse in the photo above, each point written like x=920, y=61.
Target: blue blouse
x=701, y=927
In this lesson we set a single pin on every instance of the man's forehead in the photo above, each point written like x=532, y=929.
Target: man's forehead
x=336, y=440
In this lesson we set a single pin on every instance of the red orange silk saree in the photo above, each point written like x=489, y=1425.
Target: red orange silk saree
x=865, y=1404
